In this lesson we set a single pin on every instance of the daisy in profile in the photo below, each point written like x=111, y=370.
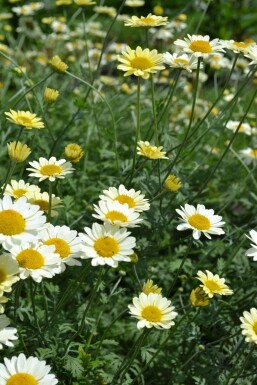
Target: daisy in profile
x=245, y=128
x=237, y=46
x=17, y=189
x=252, y=252
x=152, y=310
x=9, y=270
x=146, y=22
x=140, y=62
x=19, y=220
x=249, y=154
x=249, y=325
x=66, y=242
x=151, y=152
x=200, y=220
x=117, y=214
x=57, y=64
x=134, y=199
x=36, y=261
x=182, y=61
x=42, y=200
x=200, y=46
x=25, y=119
x=199, y=298
x=134, y=3
x=7, y=334
x=213, y=284
x=149, y=287
x=50, y=169
x=26, y=371
x=106, y=245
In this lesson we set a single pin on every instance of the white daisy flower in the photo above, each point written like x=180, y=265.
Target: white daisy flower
x=7, y=334
x=66, y=242
x=8, y=273
x=249, y=325
x=36, y=261
x=252, y=54
x=117, y=214
x=50, y=169
x=237, y=46
x=134, y=199
x=153, y=310
x=107, y=244
x=17, y=189
x=252, y=252
x=3, y=300
x=249, y=154
x=213, y=284
x=30, y=371
x=245, y=128
x=200, y=220
x=200, y=46
x=19, y=220
x=42, y=200
x=182, y=61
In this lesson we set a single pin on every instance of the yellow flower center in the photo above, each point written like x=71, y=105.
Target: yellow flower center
x=19, y=192
x=11, y=222
x=44, y=205
x=147, y=20
x=141, y=63
x=30, y=259
x=50, y=169
x=254, y=152
x=24, y=120
x=116, y=216
x=152, y=313
x=21, y=379
x=240, y=44
x=255, y=327
x=212, y=285
x=2, y=275
x=200, y=46
x=200, y=222
x=181, y=61
x=61, y=246
x=123, y=198
x=106, y=247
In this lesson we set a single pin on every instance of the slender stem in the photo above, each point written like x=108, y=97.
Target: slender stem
x=202, y=17
x=32, y=297
x=10, y=171
x=50, y=201
x=45, y=303
x=137, y=129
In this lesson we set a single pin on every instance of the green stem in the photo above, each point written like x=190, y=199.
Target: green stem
x=50, y=201
x=45, y=303
x=10, y=171
x=202, y=17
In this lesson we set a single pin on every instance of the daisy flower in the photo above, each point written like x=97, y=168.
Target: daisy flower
x=117, y=214
x=152, y=310
x=57, y=64
x=50, y=169
x=134, y=3
x=182, y=61
x=198, y=297
x=140, y=62
x=42, y=200
x=146, y=22
x=30, y=371
x=244, y=127
x=151, y=152
x=200, y=220
x=106, y=244
x=17, y=189
x=25, y=119
x=19, y=220
x=18, y=151
x=36, y=261
x=7, y=334
x=252, y=252
x=82, y=3
x=249, y=325
x=213, y=284
x=199, y=46
x=149, y=287
x=236, y=46
x=3, y=300
x=8, y=273
x=172, y=183
x=66, y=242
x=134, y=199
x=250, y=155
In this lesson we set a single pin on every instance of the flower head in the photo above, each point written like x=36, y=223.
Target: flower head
x=42, y=200
x=74, y=152
x=200, y=46
x=172, y=183
x=17, y=189
x=249, y=154
x=146, y=22
x=149, y=287
x=18, y=152
x=25, y=119
x=252, y=252
x=134, y=3
x=57, y=64
x=244, y=128
x=198, y=297
x=200, y=220
x=9, y=270
x=151, y=152
x=213, y=284
x=30, y=371
x=183, y=61
x=117, y=214
x=140, y=62
x=134, y=199
x=7, y=334
x=249, y=325
x=237, y=46
x=51, y=95
x=106, y=244
x=82, y=3
x=50, y=169
x=152, y=310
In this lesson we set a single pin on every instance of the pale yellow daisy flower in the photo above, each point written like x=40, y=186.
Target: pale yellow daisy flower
x=213, y=284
